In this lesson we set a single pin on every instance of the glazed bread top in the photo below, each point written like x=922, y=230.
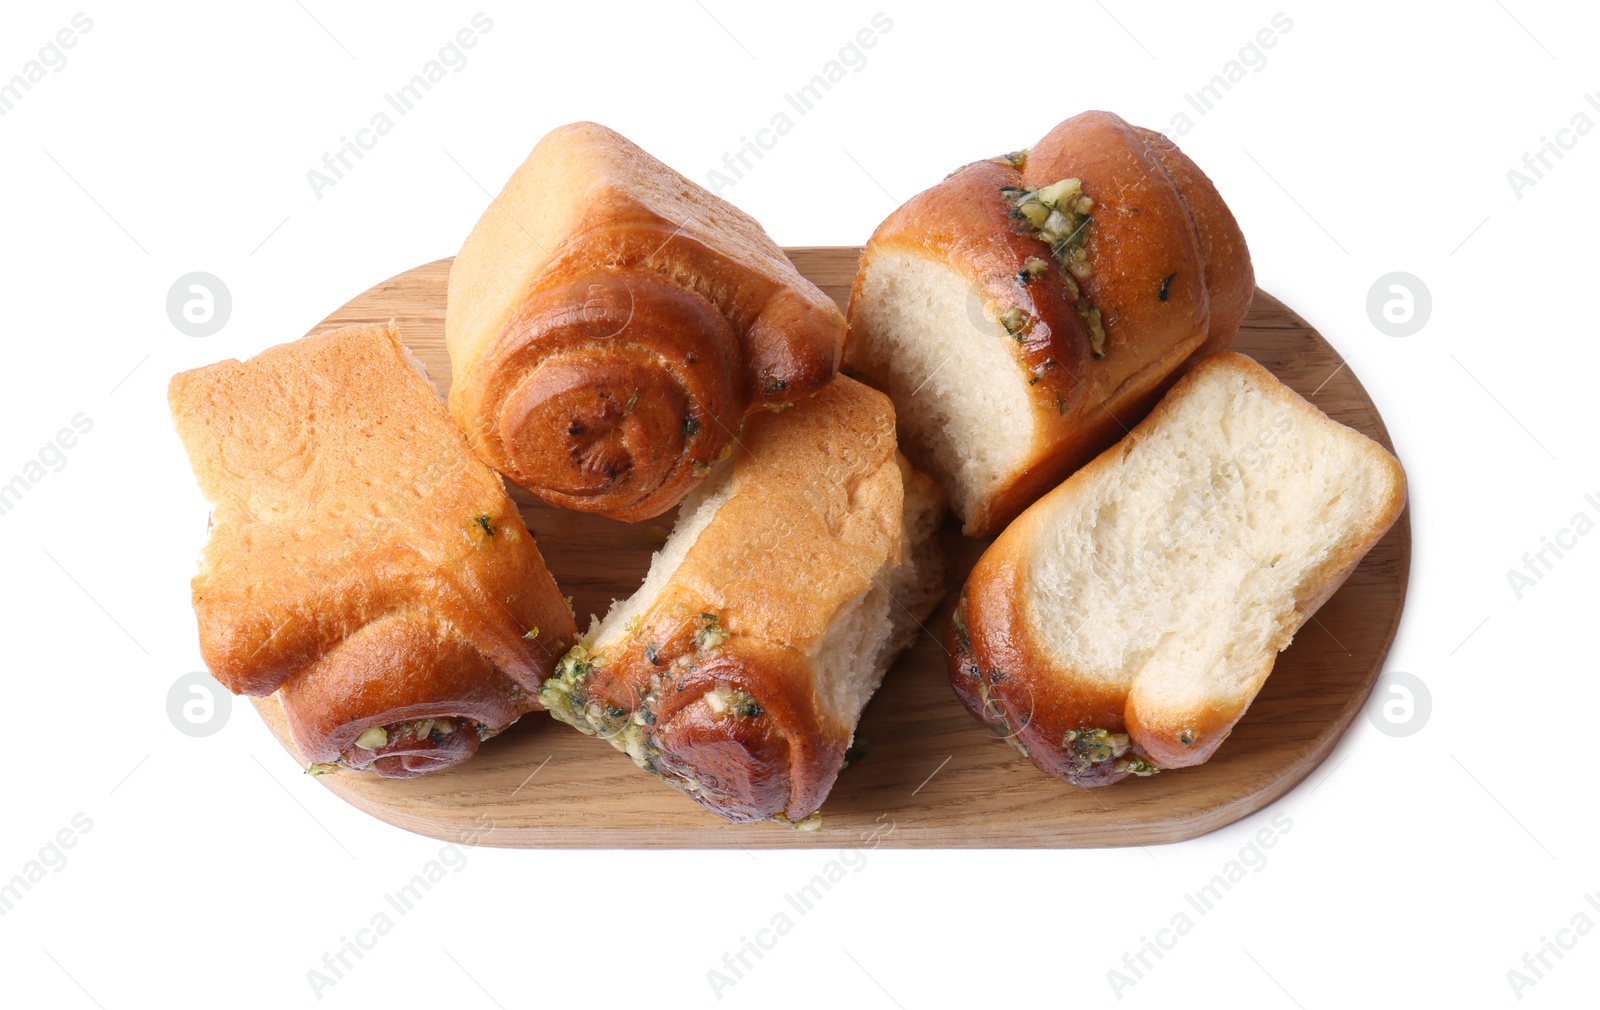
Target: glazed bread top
x=1230, y=277
x=610, y=324
x=343, y=496
x=588, y=197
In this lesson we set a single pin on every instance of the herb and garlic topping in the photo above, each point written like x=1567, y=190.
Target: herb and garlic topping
x=671, y=662
x=723, y=700
x=1059, y=215
x=711, y=633
x=404, y=737
x=1092, y=748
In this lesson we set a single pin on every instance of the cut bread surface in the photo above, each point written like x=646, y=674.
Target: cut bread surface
x=1126, y=621
x=960, y=399
x=869, y=631
x=1179, y=567
x=694, y=515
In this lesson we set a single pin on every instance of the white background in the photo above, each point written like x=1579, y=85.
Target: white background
x=1376, y=138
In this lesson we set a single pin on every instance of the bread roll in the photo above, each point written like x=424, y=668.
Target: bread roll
x=1027, y=311
x=1125, y=622
x=362, y=563
x=611, y=324
x=794, y=576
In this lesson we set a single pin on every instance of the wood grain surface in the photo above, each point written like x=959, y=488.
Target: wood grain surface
x=930, y=772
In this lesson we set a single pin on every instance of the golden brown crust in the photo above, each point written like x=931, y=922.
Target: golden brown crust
x=611, y=324
x=1160, y=733
x=715, y=686
x=1169, y=273
x=994, y=673
x=1230, y=278
x=1008, y=678
x=400, y=668
x=361, y=562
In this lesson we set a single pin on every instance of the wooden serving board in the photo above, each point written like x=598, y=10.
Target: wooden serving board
x=931, y=776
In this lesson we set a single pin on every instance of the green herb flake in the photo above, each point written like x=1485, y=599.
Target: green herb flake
x=1166, y=282
x=485, y=523
x=711, y=633
x=735, y=701
x=1137, y=766
x=1016, y=322
x=746, y=708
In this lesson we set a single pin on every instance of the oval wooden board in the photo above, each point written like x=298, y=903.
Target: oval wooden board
x=930, y=772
